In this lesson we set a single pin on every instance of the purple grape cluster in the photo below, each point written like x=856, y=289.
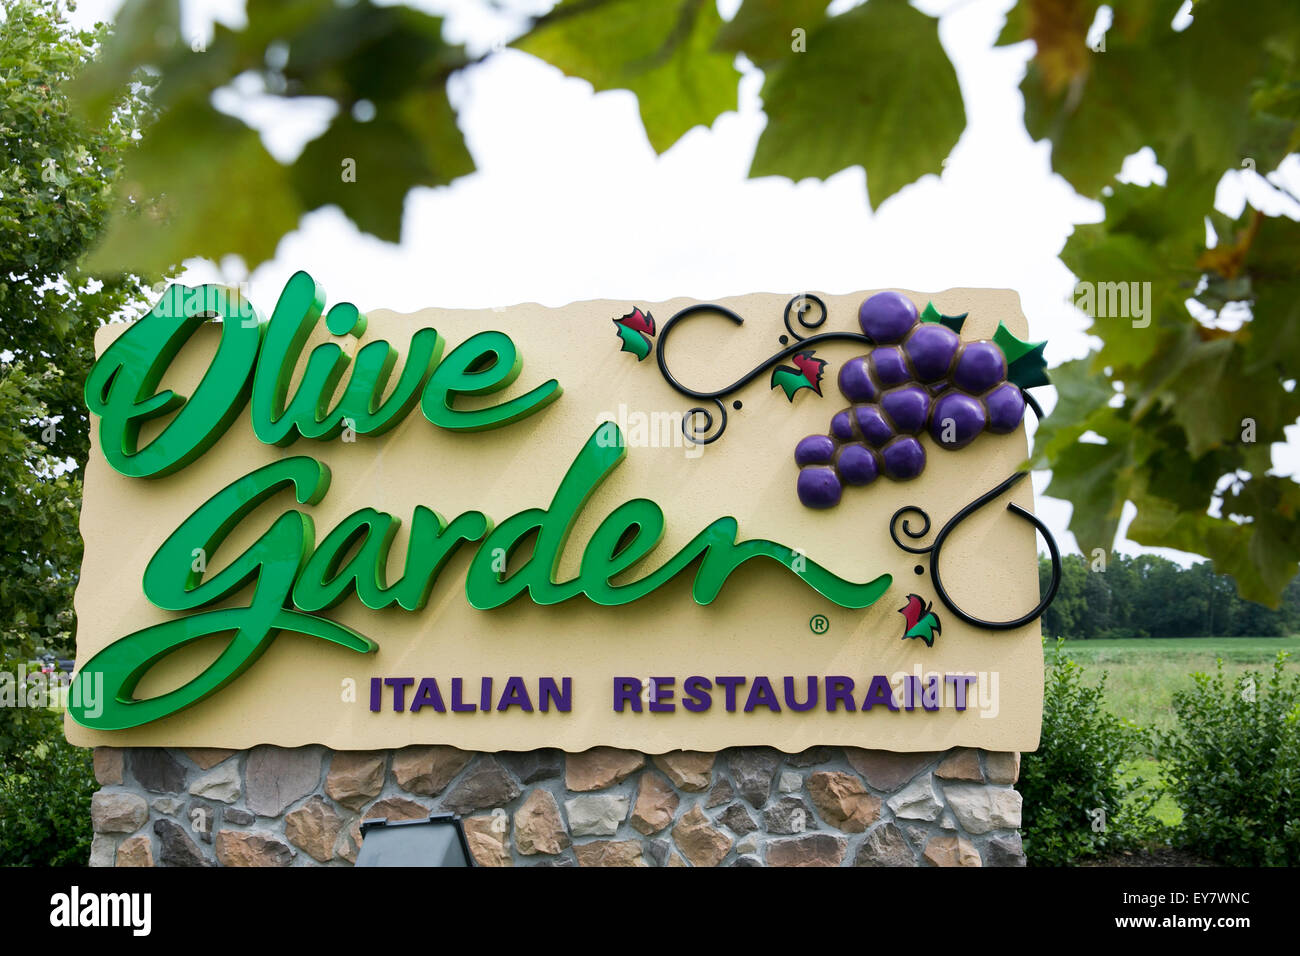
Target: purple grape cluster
x=919, y=377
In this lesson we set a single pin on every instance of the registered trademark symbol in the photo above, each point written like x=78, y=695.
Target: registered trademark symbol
x=819, y=624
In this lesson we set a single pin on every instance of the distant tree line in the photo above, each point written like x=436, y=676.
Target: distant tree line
x=1150, y=596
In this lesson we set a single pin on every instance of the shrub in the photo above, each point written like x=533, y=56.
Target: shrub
x=1076, y=802
x=1233, y=763
x=45, y=791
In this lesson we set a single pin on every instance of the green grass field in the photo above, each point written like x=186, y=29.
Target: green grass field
x=1142, y=676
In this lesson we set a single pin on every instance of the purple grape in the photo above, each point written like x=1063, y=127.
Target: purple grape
x=814, y=450
x=855, y=381
x=1006, y=405
x=904, y=458
x=856, y=465
x=890, y=366
x=980, y=366
x=874, y=426
x=819, y=487
x=931, y=348
x=886, y=317
x=842, y=425
x=958, y=416
x=907, y=408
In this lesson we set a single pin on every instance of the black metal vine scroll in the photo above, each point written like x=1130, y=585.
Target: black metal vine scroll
x=798, y=307
x=936, y=547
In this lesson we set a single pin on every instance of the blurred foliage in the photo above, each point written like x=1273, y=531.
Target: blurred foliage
x=384, y=71
x=55, y=202
x=1177, y=415
x=1180, y=414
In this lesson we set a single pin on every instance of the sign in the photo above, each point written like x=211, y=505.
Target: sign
x=762, y=520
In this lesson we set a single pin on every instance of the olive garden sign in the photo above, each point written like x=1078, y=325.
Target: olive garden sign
x=788, y=521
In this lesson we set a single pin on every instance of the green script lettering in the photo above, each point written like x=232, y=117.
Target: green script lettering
x=291, y=576
x=255, y=360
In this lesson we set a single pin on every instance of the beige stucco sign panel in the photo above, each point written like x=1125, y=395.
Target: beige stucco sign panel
x=298, y=691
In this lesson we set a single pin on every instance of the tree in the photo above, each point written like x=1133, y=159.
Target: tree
x=1178, y=398
x=1150, y=596
x=55, y=202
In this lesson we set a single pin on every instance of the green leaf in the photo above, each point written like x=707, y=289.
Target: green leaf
x=1206, y=393
x=216, y=189
x=146, y=33
x=219, y=192
x=355, y=51
x=875, y=89
x=412, y=142
x=1137, y=268
x=1151, y=87
x=633, y=341
x=791, y=380
x=925, y=629
x=954, y=322
x=765, y=30
x=1026, y=366
x=1094, y=479
x=1260, y=555
x=1015, y=29
x=660, y=51
x=1080, y=392
x=1273, y=336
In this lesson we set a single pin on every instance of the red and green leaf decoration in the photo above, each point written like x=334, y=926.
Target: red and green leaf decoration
x=805, y=372
x=920, y=620
x=954, y=322
x=1026, y=366
x=635, y=331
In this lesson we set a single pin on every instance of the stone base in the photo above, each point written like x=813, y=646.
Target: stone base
x=746, y=806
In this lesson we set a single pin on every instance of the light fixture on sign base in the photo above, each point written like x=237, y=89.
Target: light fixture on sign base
x=436, y=841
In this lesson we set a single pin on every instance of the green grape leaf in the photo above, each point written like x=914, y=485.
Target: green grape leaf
x=633, y=341
x=660, y=51
x=806, y=373
x=1026, y=366
x=954, y=322
x=925, y=629
x=875, y=89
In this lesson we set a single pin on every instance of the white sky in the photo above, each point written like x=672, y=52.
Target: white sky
x=570, y=202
